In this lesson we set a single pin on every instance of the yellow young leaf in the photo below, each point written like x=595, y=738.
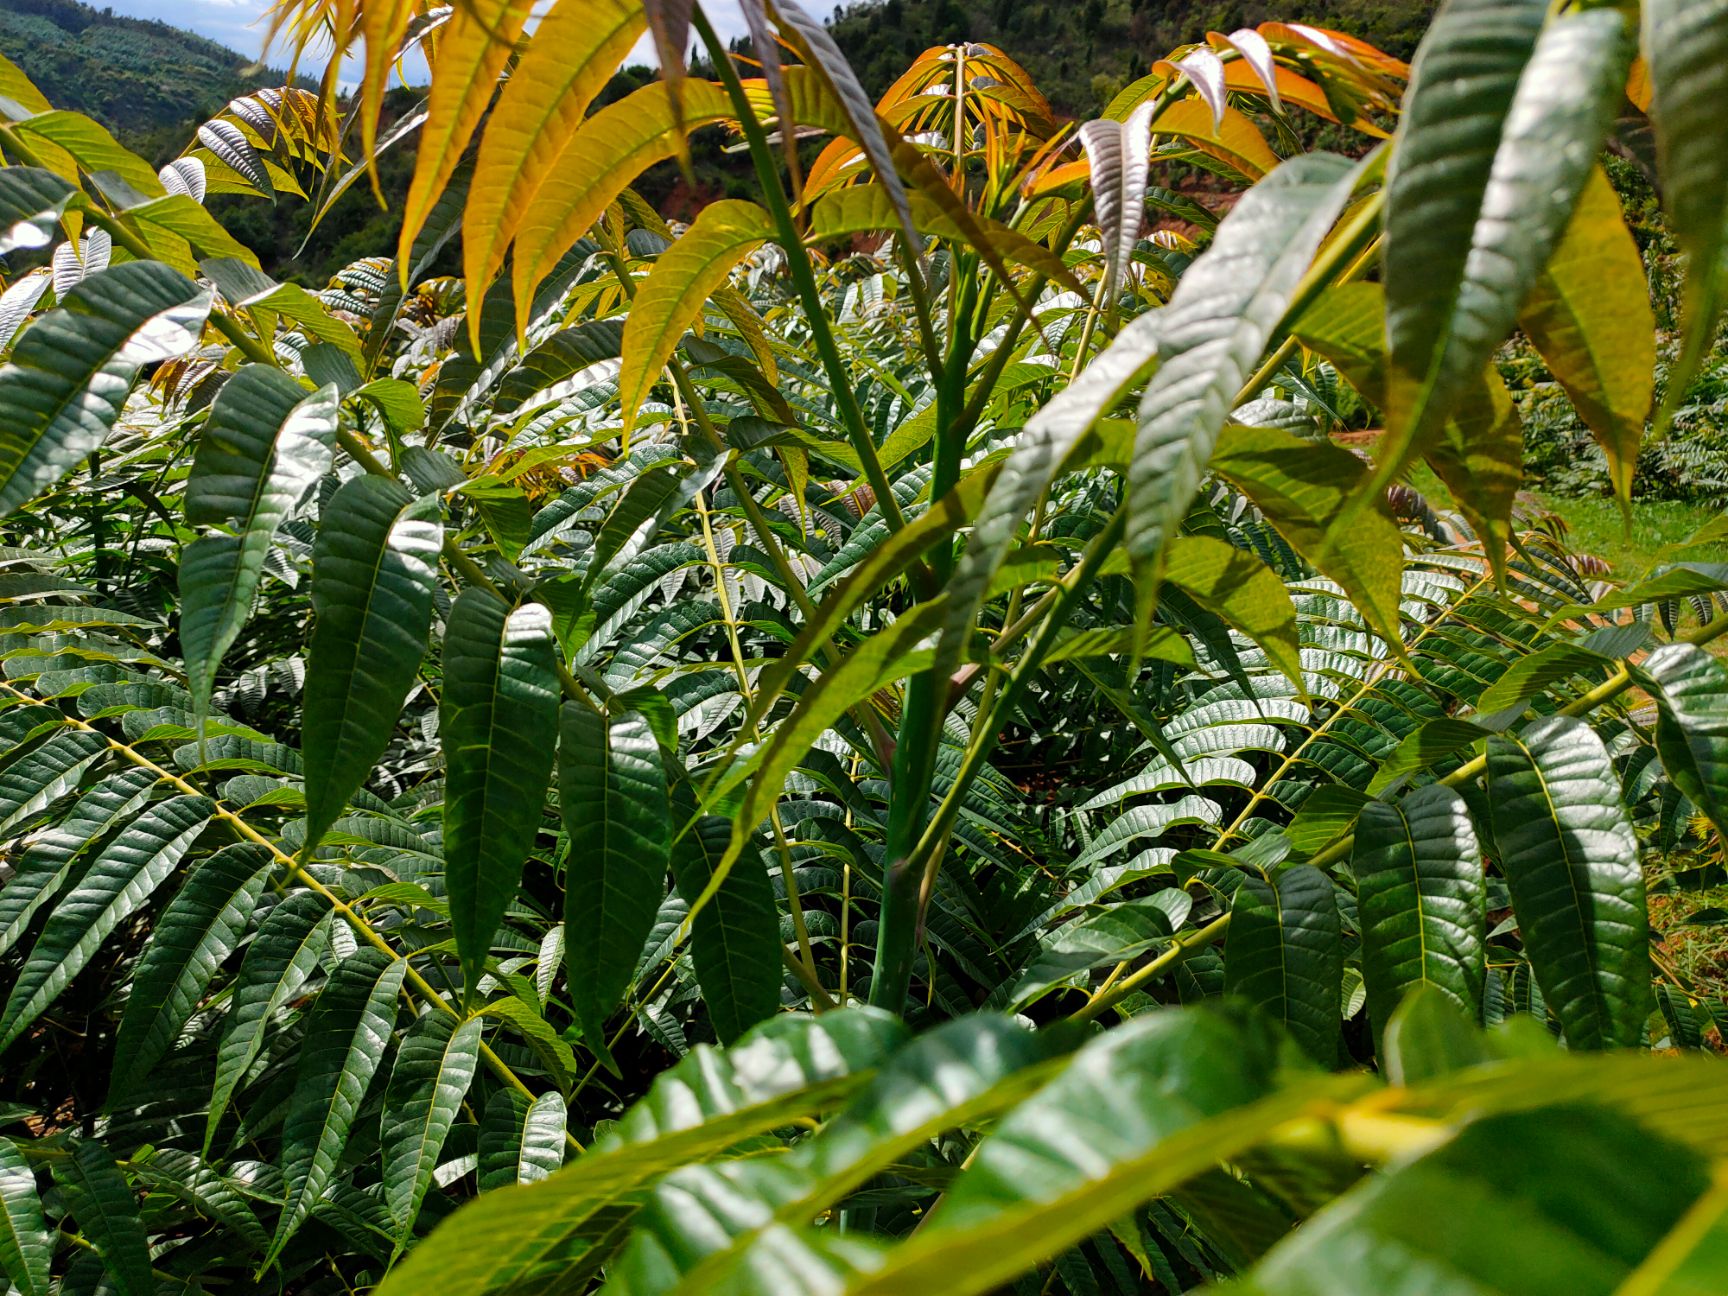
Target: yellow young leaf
x=576, y=49
x=675, y=291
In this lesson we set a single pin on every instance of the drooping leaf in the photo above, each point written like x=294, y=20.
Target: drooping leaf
x=283, y=953
x=1119, y=154
x=1571, y=859
x=605, y=155
x=1422, y=900
x=26, y=1245
x=1686, y=48
x=117, y=883
x=499, y=727
x=71, y=372
x=1498, y=136
x=678, y=287
x=201, y=926
x=612, y=794
x=1589, y=317
x=435, y=1064
x=577, y=46
x=1240, y=588
x=264, y=445
x=472, y=51
x=373, y=569
x=735, y=940
x=1217, y=324
x=1303, y=488
x=1691, y=690
x=345, y=1043
x=1284, y=954
x=103, y=1204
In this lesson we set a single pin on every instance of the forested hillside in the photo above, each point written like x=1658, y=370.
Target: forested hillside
x=132, y=75
x=1081, y=52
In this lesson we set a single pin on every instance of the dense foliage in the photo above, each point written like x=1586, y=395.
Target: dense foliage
x=899, y=737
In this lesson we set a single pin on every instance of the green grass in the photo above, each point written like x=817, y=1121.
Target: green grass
x=1594, y=526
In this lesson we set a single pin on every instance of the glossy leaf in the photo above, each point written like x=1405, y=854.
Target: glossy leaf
x=345, y=1042
x=103, y=1204
x=434, y=1066
x=1422, y=901
x=499, y=727
x=116, y=885
x=1691, y=688
x=26, y=1245
x=282, y=955
x=72, y=370
x=735, y=939
x=1284, y=954
x=612, y=791
x=201, y=927
x=1217, y=324
x=1571, y=860
x=1499, y=135
x=373, y=569
x=565, y=1227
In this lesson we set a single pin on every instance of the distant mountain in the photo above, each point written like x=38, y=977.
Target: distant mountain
x=133, y=75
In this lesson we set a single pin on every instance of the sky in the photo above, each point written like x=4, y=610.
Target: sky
x=235, y=23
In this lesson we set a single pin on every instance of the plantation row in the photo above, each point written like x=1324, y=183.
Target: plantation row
x=877, y=741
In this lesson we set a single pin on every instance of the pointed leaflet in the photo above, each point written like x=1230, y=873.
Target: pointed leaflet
x=1589, y=317
x=1303, y=487
x=1422, y=901
x=116, y=885
x=1285, y=953
x=1571, y=861
x=521, y=1139
x=498, y=722
x=45, y=864
x=599, y=162
x=1691, y=688
x=1214, y=329
x=669, y=21
x=374, y=564
x=264, y=445
x=735, y=939
x=517, y=1238
x=577, y=47
x=280, y=958
x=1499, y=134
x=72, y=370
x=201, y=926
x=346, y=1039
x=106, y=1211
x=612, y=791
x=472, y=51
x=44, y=774
x=435, y=1064
x=1686, y=48
x=26, y=1245
x=678, y=287
x=1119, y=154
